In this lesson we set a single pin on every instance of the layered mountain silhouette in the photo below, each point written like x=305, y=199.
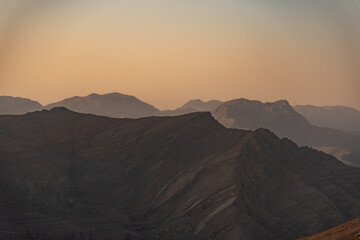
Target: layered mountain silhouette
x=193, y=106
x=284, y=121
x=279, y=117
x=347, y=231
x=110, y=105
x=17, y=105
x=115, y=105
x=339, y=117
x=66, y=175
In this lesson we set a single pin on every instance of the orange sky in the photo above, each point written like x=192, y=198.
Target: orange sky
x=167, y=53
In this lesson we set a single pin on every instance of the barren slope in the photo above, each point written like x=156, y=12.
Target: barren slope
x=347, y=231
x=75, y=176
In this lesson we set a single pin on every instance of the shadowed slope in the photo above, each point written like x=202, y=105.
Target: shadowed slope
x=183, y=177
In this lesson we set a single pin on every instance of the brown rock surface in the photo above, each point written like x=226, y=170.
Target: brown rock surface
x=65, y=175
x=347, y=231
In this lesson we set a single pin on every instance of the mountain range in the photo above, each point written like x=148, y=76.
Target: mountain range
x=193, y=106
x=280, y=117
x=110, y=105
x=284, y=121
x=67, y=175
x=339, y=117
x=16, y=105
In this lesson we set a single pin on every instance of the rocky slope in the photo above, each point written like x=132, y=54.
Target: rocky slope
x=110, y=105
x=193, y=106
x=66, y=175
x=284, y=121
x=17, y=105
x=338, y=117
x=347, y=231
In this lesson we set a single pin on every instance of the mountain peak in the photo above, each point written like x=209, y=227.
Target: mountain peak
x=253, y=114
x=202, y=115
x=60, y=110
x=195, y=101
x=57, y=111
x=113, y=94
x=282, y=102
x=16, y=105
x=199, y=105
x=203, y=119
x=115, y=105
x=242, y=101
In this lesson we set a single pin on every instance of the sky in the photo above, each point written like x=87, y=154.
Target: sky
x=168, y=52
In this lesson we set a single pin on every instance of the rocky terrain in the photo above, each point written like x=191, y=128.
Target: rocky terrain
x=17, y=105
x=67, y=175
x=338, y=117
x=284, y=121
x=347, y=231
x=111, y=105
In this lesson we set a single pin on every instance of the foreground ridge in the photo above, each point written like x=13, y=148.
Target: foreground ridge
x=80, y=176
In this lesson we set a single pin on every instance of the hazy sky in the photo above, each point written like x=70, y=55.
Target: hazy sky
x=166, y=52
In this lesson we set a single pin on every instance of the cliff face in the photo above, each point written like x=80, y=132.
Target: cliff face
x=69, y=174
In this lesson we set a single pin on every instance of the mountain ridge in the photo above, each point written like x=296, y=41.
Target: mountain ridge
x=196, y=105
x=284, y=121
x=110, y=105
x=338, y=117
x=17, y=105
x=184, y=177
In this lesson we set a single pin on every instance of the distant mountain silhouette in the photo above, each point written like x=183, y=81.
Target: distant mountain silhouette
x=193, y=106
x=284, y=121
x=347, y=231
x=343, y=118
x=66, y=175
x=252, y=114
x=16, y=105
x=111, y=105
